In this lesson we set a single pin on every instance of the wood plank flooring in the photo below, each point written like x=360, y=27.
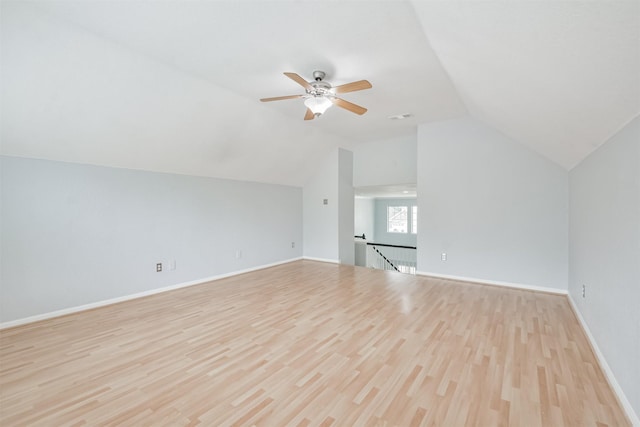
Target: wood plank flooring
x=310, y=344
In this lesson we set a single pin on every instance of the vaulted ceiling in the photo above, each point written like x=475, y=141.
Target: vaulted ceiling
x=173, y=86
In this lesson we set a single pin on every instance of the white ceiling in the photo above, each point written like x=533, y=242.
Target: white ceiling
x=558, y=76
x=173, y=86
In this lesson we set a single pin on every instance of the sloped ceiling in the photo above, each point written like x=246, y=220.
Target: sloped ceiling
x=173, y=86
x=558, y=76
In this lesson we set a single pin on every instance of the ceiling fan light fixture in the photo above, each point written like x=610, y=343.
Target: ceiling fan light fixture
x=317, y=104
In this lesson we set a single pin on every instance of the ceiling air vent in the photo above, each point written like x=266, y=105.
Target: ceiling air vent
x=400, y=116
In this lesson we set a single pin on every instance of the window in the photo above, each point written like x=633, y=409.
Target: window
x=397, y=219
x=414, y=219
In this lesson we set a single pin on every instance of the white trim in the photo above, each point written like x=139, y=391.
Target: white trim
x=332, y=261
x=495, y=283
x=622, y=398
x=84, y=307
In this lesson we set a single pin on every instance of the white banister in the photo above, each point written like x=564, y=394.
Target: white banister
x=391, y=257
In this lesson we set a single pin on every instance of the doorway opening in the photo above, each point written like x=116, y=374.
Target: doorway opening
x=386, y=227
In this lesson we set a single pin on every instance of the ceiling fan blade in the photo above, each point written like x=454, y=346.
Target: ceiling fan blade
x=280, y=98
x=309, y=115
x=352, y=87
x=349, y=106
x=302, y=82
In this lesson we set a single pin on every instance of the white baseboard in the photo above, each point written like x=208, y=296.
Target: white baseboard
x=622, y=398
x=495, y=283
x=332, y=261
x=110, y=301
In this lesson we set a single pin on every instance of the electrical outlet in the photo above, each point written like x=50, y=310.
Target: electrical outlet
x=325, y=201
x=238, y=254
x=158, y=267
x=584, y=291
x=443, y=256
x=293, y=244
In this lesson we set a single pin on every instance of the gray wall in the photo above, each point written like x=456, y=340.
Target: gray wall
x=346, y=207
x=605, y=252
x=78, y=234
x=328, y=229
x=364, y=212
x=499, y=210
x=320, y=221
x=384, y=162
x=380, y=221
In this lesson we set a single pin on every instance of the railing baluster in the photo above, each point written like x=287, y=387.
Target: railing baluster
x=391, y=257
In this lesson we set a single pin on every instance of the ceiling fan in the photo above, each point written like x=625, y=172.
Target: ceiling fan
x=320, y=95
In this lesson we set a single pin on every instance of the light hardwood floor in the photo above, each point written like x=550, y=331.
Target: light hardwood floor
x=309, y=343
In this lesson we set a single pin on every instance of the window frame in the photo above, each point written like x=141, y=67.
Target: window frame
x=414, y=219
x=406, y=227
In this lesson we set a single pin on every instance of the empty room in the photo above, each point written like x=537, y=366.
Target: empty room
x=319, y=213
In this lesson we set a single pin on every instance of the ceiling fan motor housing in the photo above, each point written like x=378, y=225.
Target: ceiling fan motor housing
x=320, y=87
x=319, y=75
